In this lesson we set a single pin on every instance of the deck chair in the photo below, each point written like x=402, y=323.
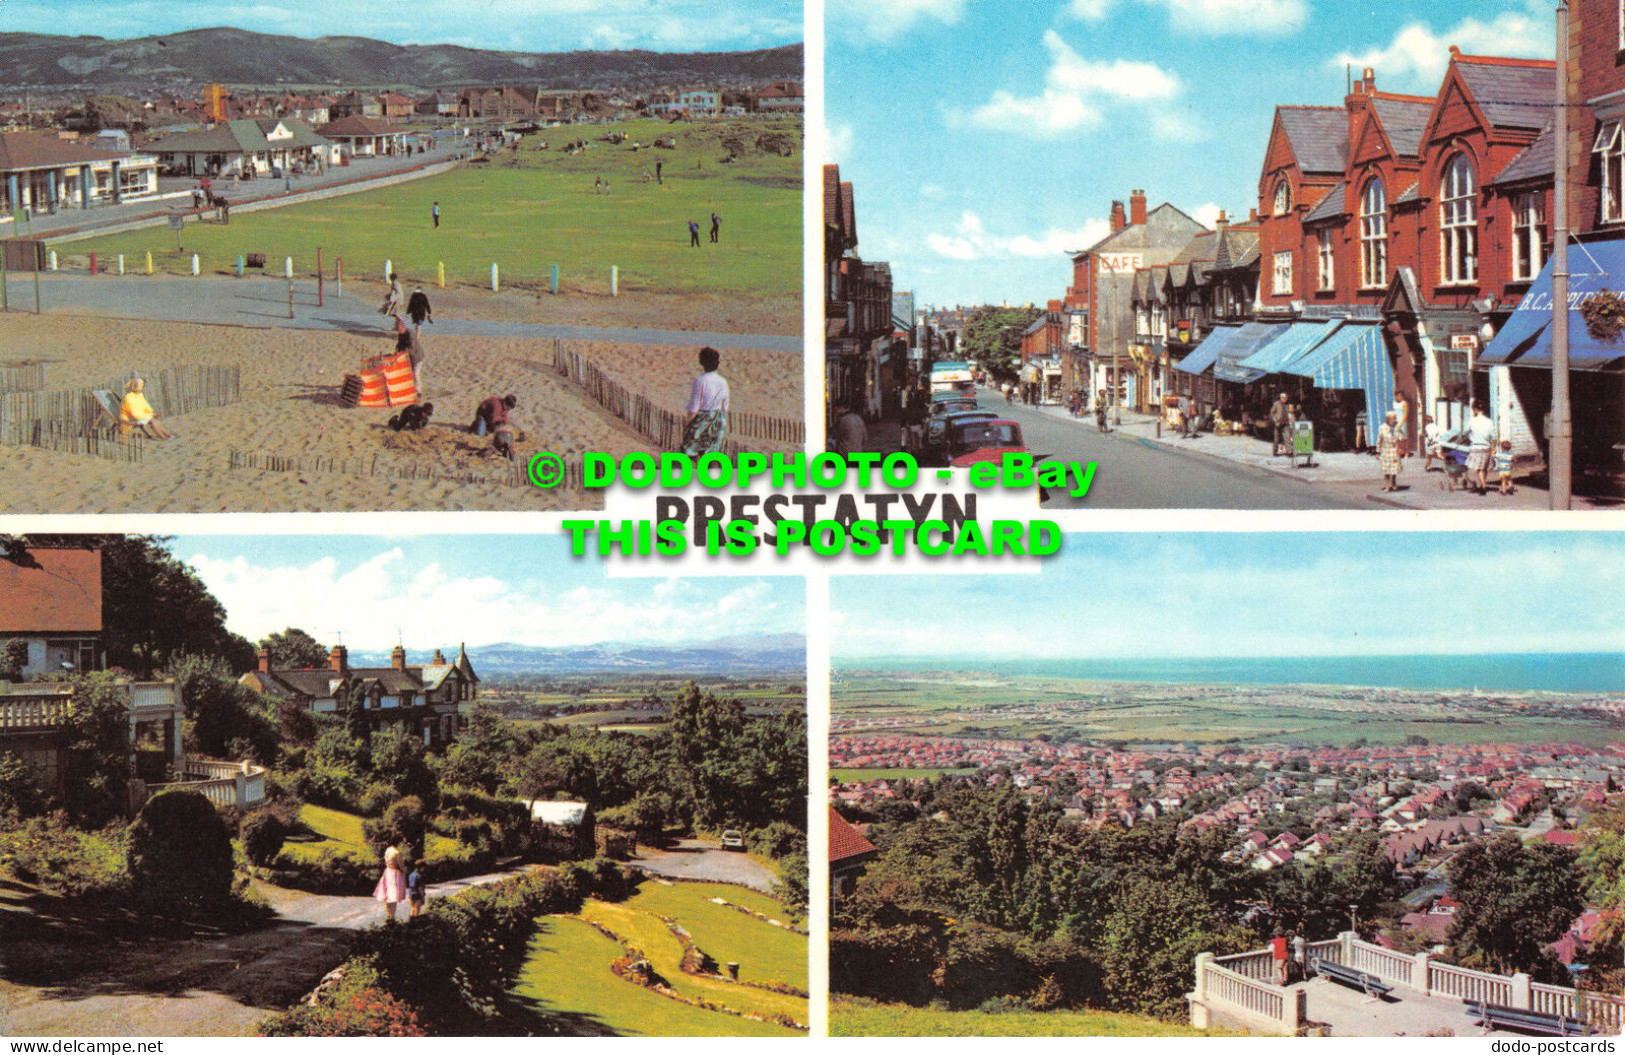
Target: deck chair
x=108, y=421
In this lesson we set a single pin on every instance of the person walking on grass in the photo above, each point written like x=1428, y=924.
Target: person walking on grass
x=716, y=225
x=693, y=234
x=434, y=212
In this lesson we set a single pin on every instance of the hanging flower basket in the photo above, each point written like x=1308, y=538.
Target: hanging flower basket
x=1604, y=316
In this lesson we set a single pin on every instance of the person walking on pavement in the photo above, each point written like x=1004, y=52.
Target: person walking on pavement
x=418, y=310
x=716, y=225
x=1389, y=452
x=1480, y=438
x=693, y=234
x=1280, y=420
x=1100, y=412
x=850, y=435
x=435, y=213
x=392, y=297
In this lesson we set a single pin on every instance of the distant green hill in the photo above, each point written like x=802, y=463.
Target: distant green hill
x=236, y=56
x=850, y=1017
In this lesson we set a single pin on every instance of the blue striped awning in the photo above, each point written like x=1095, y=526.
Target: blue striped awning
x=1202, y=355
x=1352, y=358
x=1526, y=339
x=1299, y=338
x=1254, y=336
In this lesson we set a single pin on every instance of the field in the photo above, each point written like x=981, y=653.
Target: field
x=864, y=1018
x=1065, y=710
x=531, y=209
x=341, y=833
x=568, y=979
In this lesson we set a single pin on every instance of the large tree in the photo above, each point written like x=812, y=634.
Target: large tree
x=294, y=649
x=992, y=337
x=1516, y=899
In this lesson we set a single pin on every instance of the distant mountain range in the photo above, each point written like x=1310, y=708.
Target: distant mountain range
x=764, y=654
x=236, y=56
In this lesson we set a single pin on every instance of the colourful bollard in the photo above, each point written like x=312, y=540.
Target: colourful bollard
x=239, y=265
x=494, y=284
x=149, y=261
x=440, y=274
x=614, y=281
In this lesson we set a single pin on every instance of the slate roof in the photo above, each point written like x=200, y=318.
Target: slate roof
x=356, y=125
x=52, y=591
x=1318, y=135
x=1535, y=161
x=1331, y=206
x=1201, y=247
x=1511, y=94
x=239, y=137
x=1237, y=248
x=1403, y=118
x=37, y=150
x=1164, y=227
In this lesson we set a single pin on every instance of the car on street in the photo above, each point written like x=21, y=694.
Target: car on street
x=936, y=432
x=733, y=840
x=982, y=440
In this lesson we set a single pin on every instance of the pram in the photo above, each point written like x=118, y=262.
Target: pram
x=1455, y=468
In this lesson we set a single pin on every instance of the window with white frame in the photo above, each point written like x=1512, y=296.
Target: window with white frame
x=1283, y=273
x=1327, y=259
x=1142, y=320
x=1373, y=236
x=1283, y=193
x=1458, y=223
x=1610, y=151
x=1622, y=25
x=1159, y=321
x=1528, y=235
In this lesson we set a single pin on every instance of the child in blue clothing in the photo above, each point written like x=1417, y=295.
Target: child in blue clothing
x=1503, y=465
x=417, y=889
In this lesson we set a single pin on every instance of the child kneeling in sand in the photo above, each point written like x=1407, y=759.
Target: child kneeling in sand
x=135, y=410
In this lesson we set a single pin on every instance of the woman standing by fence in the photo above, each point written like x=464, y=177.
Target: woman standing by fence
x=707, y=407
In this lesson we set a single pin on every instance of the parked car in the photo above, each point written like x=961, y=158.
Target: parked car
x=979, y=440
x=937, y=429
x=733, y=840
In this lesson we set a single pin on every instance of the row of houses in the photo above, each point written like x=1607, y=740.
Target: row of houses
x=866, y=349
x=1397, y=259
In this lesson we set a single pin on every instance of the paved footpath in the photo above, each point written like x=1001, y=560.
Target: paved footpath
x=262, y=301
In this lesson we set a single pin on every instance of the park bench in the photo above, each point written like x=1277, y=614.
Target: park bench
x=1368, y=983
x=1491, y=1016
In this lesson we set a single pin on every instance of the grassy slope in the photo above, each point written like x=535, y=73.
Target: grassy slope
x=341, y=832
x=865, y=1018
x=534, y=211
x=765, y=953
x=568, y=976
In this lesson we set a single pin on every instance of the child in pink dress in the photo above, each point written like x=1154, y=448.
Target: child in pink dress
x=391, y=888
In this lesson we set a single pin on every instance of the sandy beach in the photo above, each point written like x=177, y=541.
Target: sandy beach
x=342, y=458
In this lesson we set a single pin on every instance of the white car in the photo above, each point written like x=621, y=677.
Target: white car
x=732, y=840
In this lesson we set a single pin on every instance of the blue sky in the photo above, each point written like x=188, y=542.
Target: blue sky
x=510, y=25
x=986, y=139
x=431, y=590
x=1256, y=594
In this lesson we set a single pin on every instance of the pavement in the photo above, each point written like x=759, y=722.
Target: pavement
x=261, y=301
x=1348, y=1012
x=704, y=860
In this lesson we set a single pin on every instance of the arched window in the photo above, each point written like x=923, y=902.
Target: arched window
x=1458, y=223
x=1373, y=236
x=1283, y=198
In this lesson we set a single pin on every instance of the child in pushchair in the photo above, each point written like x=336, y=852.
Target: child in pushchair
x=1455, y=468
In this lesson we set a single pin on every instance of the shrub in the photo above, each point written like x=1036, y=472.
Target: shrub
x=179, y=854
x=19, y=793
x=403, y=826
x=262, y=834
x=355, y=1007
x=61, y=859
x=373, y=800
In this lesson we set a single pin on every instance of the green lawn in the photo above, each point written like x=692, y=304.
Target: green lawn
x=341, y=832
x=765, y=953
x=568, y=978
x=535, y=209
x=850, y=1017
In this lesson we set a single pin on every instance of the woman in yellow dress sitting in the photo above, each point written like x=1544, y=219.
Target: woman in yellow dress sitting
x=136, y=411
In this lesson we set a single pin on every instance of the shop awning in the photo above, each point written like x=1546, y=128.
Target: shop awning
x=1526, y=339
x=1299, y=338
x=1202, y=356
x=1252, y=339
x=1352, y=358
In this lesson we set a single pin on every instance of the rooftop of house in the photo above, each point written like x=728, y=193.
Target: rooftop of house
x=1318, y=135
x=51, y=591
x=846, y=843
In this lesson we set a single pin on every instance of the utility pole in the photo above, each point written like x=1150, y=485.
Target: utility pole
x=1560, y=434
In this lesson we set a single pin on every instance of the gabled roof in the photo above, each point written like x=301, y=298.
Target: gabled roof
x=1318, y=135
x=49, y=591
x=1535, y=161
x=1164, y=227
x=1200, y=247
x=34, y=150
x=356, y=125
x=846, y=843
x=1331, y=206
x=1410, y=194
x=1512, y=93
x=1403, y=117
x=1238, y=247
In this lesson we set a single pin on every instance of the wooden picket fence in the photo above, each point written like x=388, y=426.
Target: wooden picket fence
x=504, y=474
x=22, y=377
x=664, y=427
x=172, y=391
x=55, y=436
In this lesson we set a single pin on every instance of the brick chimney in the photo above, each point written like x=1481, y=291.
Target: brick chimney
x=439, y=658
x=1119, y=220
x=339, y=659
x=1136, y=208
x=397, y=657
x=1252, y=215
x=1358, y=101
x=264, y=658
x=1222, y=222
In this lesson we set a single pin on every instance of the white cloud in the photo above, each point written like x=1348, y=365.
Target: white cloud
x=1207, y=215
x=1075, y=91
x=1417, y=56
x=1089, y=10
x=884, y=20
x=385, y=598
x=1235, y=17
x=833, y=143
x=972, y=241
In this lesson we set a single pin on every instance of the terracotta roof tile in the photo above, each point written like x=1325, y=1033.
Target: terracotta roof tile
x=53, y=591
